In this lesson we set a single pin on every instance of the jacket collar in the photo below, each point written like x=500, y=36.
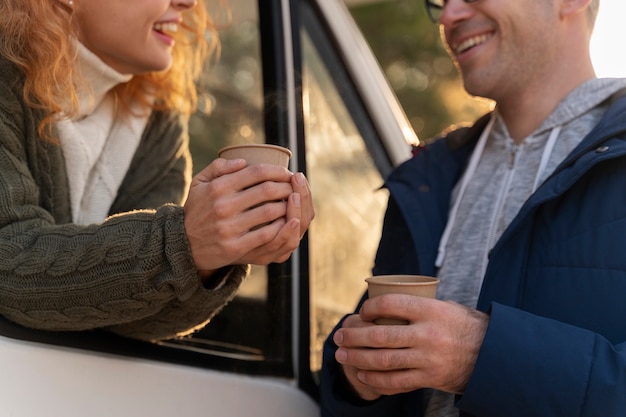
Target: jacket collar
x=612, y=127
x=606, y=141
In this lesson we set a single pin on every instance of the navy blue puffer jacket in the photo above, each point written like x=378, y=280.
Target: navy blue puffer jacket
x=555, y=286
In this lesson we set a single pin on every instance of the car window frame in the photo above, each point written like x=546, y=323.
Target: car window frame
x=280, y=22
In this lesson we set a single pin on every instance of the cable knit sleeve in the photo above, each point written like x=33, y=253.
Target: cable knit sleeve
x=133, y=274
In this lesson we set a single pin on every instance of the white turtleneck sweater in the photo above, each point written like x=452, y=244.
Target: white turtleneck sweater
x=98, y=145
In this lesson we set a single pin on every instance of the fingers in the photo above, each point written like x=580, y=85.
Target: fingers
x=260, y=195
x=393, y=382
x=364, y=391
x=393, y=371
x=355, y=320
x=386, y=370
x=437, y=349
x=294, y=209
x=277, y=247
x=374, y=336
x=381, y=359
x=256, y=174
x=225, y=174
x=301, y=186
x=218, y=168
x=237, y=214
x=299, y=209
x=398, y=306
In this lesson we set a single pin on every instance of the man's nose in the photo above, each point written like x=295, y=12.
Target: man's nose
x=455, y=10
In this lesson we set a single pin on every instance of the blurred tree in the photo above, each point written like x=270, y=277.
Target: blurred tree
x=411, y=53
x=231, y=92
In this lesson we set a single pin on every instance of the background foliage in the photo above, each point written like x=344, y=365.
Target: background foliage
x=411, y=53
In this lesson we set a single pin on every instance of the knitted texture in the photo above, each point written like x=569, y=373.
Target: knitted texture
x=132, y=274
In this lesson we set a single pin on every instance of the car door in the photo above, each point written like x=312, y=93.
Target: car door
x=296, y=73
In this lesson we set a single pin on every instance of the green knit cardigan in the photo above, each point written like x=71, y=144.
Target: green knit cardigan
x=133, y=274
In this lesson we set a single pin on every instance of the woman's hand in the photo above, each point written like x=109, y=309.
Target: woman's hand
x=236, y=214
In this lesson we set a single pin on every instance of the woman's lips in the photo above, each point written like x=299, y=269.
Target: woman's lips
x=164, y=30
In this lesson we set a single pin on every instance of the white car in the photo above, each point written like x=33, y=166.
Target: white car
x=297, y=73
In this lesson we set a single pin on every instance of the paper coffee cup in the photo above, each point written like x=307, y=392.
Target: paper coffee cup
x=418, y=285
x=257, y=153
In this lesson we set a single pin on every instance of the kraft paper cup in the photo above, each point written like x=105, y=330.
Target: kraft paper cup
x=257, y=154
x=418, y=285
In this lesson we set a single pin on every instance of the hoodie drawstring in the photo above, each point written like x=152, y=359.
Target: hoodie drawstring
x=469, y=173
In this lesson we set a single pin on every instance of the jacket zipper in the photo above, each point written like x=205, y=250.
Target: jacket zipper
x=513, y=151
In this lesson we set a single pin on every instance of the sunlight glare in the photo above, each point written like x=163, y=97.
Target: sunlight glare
x=607, y=54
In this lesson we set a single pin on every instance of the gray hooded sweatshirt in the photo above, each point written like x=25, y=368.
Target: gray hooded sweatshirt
x=500, y=177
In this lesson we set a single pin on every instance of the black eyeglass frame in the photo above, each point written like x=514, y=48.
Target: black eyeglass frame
x=434, y=8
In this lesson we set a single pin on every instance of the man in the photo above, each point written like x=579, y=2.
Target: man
x=523, y=219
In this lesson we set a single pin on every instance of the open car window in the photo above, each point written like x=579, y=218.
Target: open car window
x=283, y=78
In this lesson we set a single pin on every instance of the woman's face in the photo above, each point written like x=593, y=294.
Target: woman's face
x=131, y=36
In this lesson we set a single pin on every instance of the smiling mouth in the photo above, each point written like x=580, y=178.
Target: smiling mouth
x=471, y=43
x=166, y=27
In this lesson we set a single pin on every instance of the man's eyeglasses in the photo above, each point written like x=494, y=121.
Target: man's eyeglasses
x=435, y=8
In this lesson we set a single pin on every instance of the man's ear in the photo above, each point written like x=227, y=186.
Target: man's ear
x=572, y=7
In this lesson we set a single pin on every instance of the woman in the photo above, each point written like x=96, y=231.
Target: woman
x=100, y=226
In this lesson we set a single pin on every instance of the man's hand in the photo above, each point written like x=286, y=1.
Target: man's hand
x=437, y=349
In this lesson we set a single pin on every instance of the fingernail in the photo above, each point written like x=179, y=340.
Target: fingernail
x=341, y=355
x=338, y=338
x=295, y=224
x=300, y=178
x=233, y=162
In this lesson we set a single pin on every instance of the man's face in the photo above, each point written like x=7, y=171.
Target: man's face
x=499, y=46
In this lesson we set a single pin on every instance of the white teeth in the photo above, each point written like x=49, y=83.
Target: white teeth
x=470, y=43
x=166, y=27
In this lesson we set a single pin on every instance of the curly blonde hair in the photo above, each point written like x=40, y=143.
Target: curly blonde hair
x=34, y=36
